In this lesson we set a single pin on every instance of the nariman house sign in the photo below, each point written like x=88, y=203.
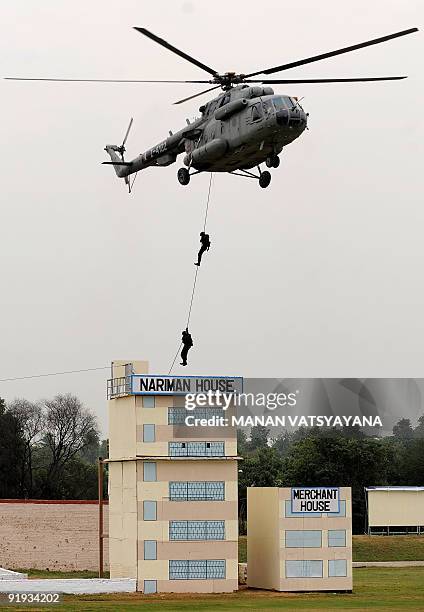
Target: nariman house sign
x=181, y=385
x=315, y=499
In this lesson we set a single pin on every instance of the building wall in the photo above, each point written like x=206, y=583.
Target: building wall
x=267, y=550
x=391, y=508
x=263, y=541
x=128, y=491
x=50, y=535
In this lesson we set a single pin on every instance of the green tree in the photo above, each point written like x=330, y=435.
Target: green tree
x=262, y=468
x=334, y=460
x=11, y=452
x=403, y=430
x=30, y=417
x=259, y=435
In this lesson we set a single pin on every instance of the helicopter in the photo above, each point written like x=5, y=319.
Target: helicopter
x=245, y=126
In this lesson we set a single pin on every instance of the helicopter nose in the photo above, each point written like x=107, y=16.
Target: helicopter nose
x=282, y=116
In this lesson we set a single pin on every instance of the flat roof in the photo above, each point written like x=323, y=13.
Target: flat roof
x=394, y=488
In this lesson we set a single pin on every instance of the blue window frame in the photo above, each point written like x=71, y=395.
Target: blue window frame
x=149, y=471
x=336, y=537
x=304, y=569
x=150, y=549
x=196, y=530
x=196, y=449
x=197, y=491
x=148, y=401
x=202, y=569
x=149, y=510
x=306, y=538
x=337, y=567
x=150, y=586
x=148, y=433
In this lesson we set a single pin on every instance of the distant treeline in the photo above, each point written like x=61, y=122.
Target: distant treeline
x=329, y=456
x=49, y=449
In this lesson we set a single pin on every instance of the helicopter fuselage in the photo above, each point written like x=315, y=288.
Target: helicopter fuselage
x=238, y=130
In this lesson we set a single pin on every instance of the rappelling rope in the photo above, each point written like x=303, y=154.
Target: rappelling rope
x=195, y=274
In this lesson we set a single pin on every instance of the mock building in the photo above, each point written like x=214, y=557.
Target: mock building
x=299, y=539
x=395, y=510
x=173, y=518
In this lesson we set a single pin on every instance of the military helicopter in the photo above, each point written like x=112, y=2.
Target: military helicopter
x=245, y=126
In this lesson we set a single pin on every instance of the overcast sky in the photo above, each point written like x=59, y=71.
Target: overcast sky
x=321, y=274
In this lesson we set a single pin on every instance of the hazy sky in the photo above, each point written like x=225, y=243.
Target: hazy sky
x=318, y=275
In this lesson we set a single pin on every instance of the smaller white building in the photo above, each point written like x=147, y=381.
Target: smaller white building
x=395, y=510
x=299, y=538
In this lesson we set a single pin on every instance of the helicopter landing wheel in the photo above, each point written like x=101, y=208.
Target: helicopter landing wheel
x=273, y=161
x=265, y=179
x=183, y=176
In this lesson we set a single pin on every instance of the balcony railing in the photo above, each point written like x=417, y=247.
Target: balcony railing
x=117, y=387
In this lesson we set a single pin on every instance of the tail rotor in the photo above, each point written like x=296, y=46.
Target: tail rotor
x=121, y=151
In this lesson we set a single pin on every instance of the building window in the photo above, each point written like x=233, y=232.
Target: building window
x=304, y=539
x=215, y=568
x=303, y=569
x=150, y=552
x=196, y=530
x=177, y=416
x=149, y=471
x=342, y=511
x=215, y=530
x=149, y=510
x=289, y=513
x=148, y=433
x=148, y=401
x=337, y=567
x=197, y=491
x=203, y=569
x=150, y=586
x=336, y=537
x=196, y=449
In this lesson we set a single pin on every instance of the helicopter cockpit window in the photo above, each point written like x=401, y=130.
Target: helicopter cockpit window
x=256, y=112
x=267, y=106
x=279, y=103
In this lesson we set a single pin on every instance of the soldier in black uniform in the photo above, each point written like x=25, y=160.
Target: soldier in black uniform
x=206, y=243
x=187, y=344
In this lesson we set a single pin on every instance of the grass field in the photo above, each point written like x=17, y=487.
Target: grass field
x=388, y=548
x=375, y=589
x=373, y=548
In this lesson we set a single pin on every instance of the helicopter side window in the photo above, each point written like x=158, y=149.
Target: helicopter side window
x=225, y=99
x=256, y=112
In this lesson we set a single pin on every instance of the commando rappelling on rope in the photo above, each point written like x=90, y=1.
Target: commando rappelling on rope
x=186, y=340
x=206, y=243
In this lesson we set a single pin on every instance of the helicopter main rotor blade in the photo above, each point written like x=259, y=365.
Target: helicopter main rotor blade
x=198, y=94
x=355, y=80
x=166, y=44
x=95, y=80
x=317, y=58
x=127, y=132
